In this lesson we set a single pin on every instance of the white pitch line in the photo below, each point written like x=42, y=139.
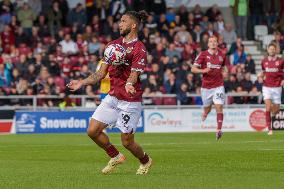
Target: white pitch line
x=267, y=149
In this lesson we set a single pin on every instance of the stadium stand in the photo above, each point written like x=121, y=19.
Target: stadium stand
x=45, y=45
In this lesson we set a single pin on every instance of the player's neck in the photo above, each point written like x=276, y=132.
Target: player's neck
x=130, y=37
x=271, y=57
x=212, y=51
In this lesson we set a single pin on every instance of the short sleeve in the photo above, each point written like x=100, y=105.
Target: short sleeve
x=282, y=65
x=139, y=60
x=262, y=65
x=224, y=61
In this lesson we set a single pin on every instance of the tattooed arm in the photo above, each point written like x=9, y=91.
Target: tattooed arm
x=91, y=80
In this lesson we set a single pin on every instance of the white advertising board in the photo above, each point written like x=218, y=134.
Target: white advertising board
x=189, y=120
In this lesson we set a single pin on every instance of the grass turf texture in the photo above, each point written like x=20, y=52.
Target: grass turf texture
x=181, y=160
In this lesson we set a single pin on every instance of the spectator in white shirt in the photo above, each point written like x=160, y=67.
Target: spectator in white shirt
x=68, y=45
x=229, y=34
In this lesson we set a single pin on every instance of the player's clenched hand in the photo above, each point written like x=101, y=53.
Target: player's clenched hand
x=130, y=89
x=206, y=70
x=74, y=85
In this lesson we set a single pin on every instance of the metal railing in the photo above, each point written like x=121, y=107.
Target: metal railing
x=149, y=100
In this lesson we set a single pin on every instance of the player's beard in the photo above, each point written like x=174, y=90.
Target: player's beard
x=125, y=32
x=272, y=55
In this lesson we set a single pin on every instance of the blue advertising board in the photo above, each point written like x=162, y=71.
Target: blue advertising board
x=58, y=122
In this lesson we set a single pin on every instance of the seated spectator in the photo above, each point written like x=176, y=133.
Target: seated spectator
x=68, y=45
x=183, y=34
x=163, y=25
x=182, y=73
x=158, y=52
x=239, y=56
x=235, y=45
x=171, y=85
x=239, y=99
x=254, y=99
x=259, y=83
x=6, y=10
x=229, y=34
x=182, y=95
x=204, y=23
x=151, y=24
x=191, y=84
x=210, y=30
x=153, y=84
x=249, y=64
x=247, y=83
x=171, y=52
x=7, y=39
x=196, y=33
x=222, y=45
x=5, y=74
x=231, y=85
x=170, y=16
x=219, y=24
x=21, y=37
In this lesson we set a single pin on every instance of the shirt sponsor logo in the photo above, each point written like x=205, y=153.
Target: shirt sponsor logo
x=271, y=69
x=213, y=66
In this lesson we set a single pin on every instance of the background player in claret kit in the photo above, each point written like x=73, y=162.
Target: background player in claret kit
x=273, y=68
x=210, y=64
x=122, y=106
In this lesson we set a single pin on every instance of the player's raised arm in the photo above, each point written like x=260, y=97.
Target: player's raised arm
x=92, y=79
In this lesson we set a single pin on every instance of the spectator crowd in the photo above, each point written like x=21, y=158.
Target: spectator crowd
x=45, y=44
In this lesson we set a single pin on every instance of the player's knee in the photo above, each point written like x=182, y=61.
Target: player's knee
x=93, y=129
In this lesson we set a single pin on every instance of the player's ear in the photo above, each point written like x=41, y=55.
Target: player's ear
x=134, y=25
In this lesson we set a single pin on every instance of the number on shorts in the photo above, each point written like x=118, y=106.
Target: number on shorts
x=220, y=96
x=125, y=118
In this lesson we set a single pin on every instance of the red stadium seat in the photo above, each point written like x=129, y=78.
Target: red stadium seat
x=157, y=101
x=170, y=101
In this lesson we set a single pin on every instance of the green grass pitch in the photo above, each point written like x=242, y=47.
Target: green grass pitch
x=181, y=160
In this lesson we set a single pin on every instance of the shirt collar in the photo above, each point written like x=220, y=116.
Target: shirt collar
x=272, y=58
x=211, y=53
x=134, y=40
